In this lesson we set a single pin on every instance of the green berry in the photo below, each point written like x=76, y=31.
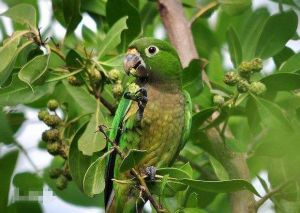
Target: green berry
x=133, y=88
x=95, y=75
x=243, y=86
x=117, y=90
x=114, y=75
x=64, y=151
x=55, y=173
x=218, y=99
x=61, y=182
x=257, y=88
x=53, y=148
x=42, y=114
x=245, y=69
x=52, y=120
x=66, y=172
x=257, y=65
x=74, y=81
x=51, y=135
x=52, y=104
x=231, y=78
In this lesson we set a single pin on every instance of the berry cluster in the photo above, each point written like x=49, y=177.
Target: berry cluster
x=115, y=76
x=242, y=78
x=55, y=143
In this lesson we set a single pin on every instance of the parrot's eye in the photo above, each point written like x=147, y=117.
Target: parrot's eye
x=151, y=51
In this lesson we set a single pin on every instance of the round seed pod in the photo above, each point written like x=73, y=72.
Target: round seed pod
x=42, y=114
x=243, y=86
x=231, y=78
x=61, y=182
x=52, y=104
x=257, y=88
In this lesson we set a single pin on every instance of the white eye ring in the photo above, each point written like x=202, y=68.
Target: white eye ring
x=151, y=51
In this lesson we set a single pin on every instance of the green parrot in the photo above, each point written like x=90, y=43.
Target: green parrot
x=159, y=122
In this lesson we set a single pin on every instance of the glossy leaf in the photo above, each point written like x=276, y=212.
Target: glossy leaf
x=6, y=135
x=113, y=37
x=276, y=32
x=27, y=183
x=200, y=117
x=218, y=168
x=281, y=57
x=7, y=166
x=220, y=186
x=19, y=92
x=72, y=14
x=94, y=178
x=34, y=69
x=192, y=77
x=235, y=48
x=22, y=13
x=92, y=141
x=235, y=7
x=281, y=82
x=292, y=64
x=133, y=157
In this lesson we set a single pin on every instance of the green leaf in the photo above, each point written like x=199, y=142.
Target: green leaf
x=78, y=162
x=215, y=68
x=218, y=168
x=94, y=6
x=116, y=61
x=276, y=32
x=220, y=186
x=235, y=7
x=281, y=82
x=72, y=193
x=115, y=10
x=34, y=69
x=113, y=37
x=200, y=117
x=72, y=16
x=25, y=206
x=252, y=31
x=133, y=157
x=292, y=64
x=191, y=210
x=74, y=60
x=22, y=13
x=7, y=166
x=92, y=141
x=8, y=54
x=281, y=57
x=173, y=172
x=27, y=182
x=19, y=92
x=192, y=77
x=235, y=48
x=188, y=169
x=94, y=178
x=6, y=134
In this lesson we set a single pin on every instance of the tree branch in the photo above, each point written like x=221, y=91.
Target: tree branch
x=271, y=193
x=179, y=32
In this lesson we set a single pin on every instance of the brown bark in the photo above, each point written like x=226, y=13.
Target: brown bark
x=179, y=32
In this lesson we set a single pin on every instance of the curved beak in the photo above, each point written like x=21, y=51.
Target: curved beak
x=134, y=64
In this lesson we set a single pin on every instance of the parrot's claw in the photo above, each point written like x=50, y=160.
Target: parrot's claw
x=141, y=98
x=151, y=172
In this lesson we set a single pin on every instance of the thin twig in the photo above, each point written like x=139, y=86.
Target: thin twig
x=24, y=151
x=203, y=10
x=141, y=180
x=271, y=193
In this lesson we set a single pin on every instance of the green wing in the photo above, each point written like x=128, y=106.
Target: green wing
x=114, y=135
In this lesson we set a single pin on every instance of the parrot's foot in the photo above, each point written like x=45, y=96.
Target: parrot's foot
x=151, y=172
x=141, y=98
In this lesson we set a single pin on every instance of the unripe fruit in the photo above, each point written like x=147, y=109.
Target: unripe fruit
x=231, y=78
x=245, y=69
x=133, y=88
x=64, y=151
x=117, y=90
x=61, y=182
x=257, y=88
x=74, y=81
x=114, y=75
x=42, y=114
x=52, y=104
x=218, y=99
x=55, y=173
x=257, y=65
x=243, y=86
x=53, y=148
x=95, y=75
x=52, y=120
x=51, y=135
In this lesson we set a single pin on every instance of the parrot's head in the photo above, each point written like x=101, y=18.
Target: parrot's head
x=153, y=59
